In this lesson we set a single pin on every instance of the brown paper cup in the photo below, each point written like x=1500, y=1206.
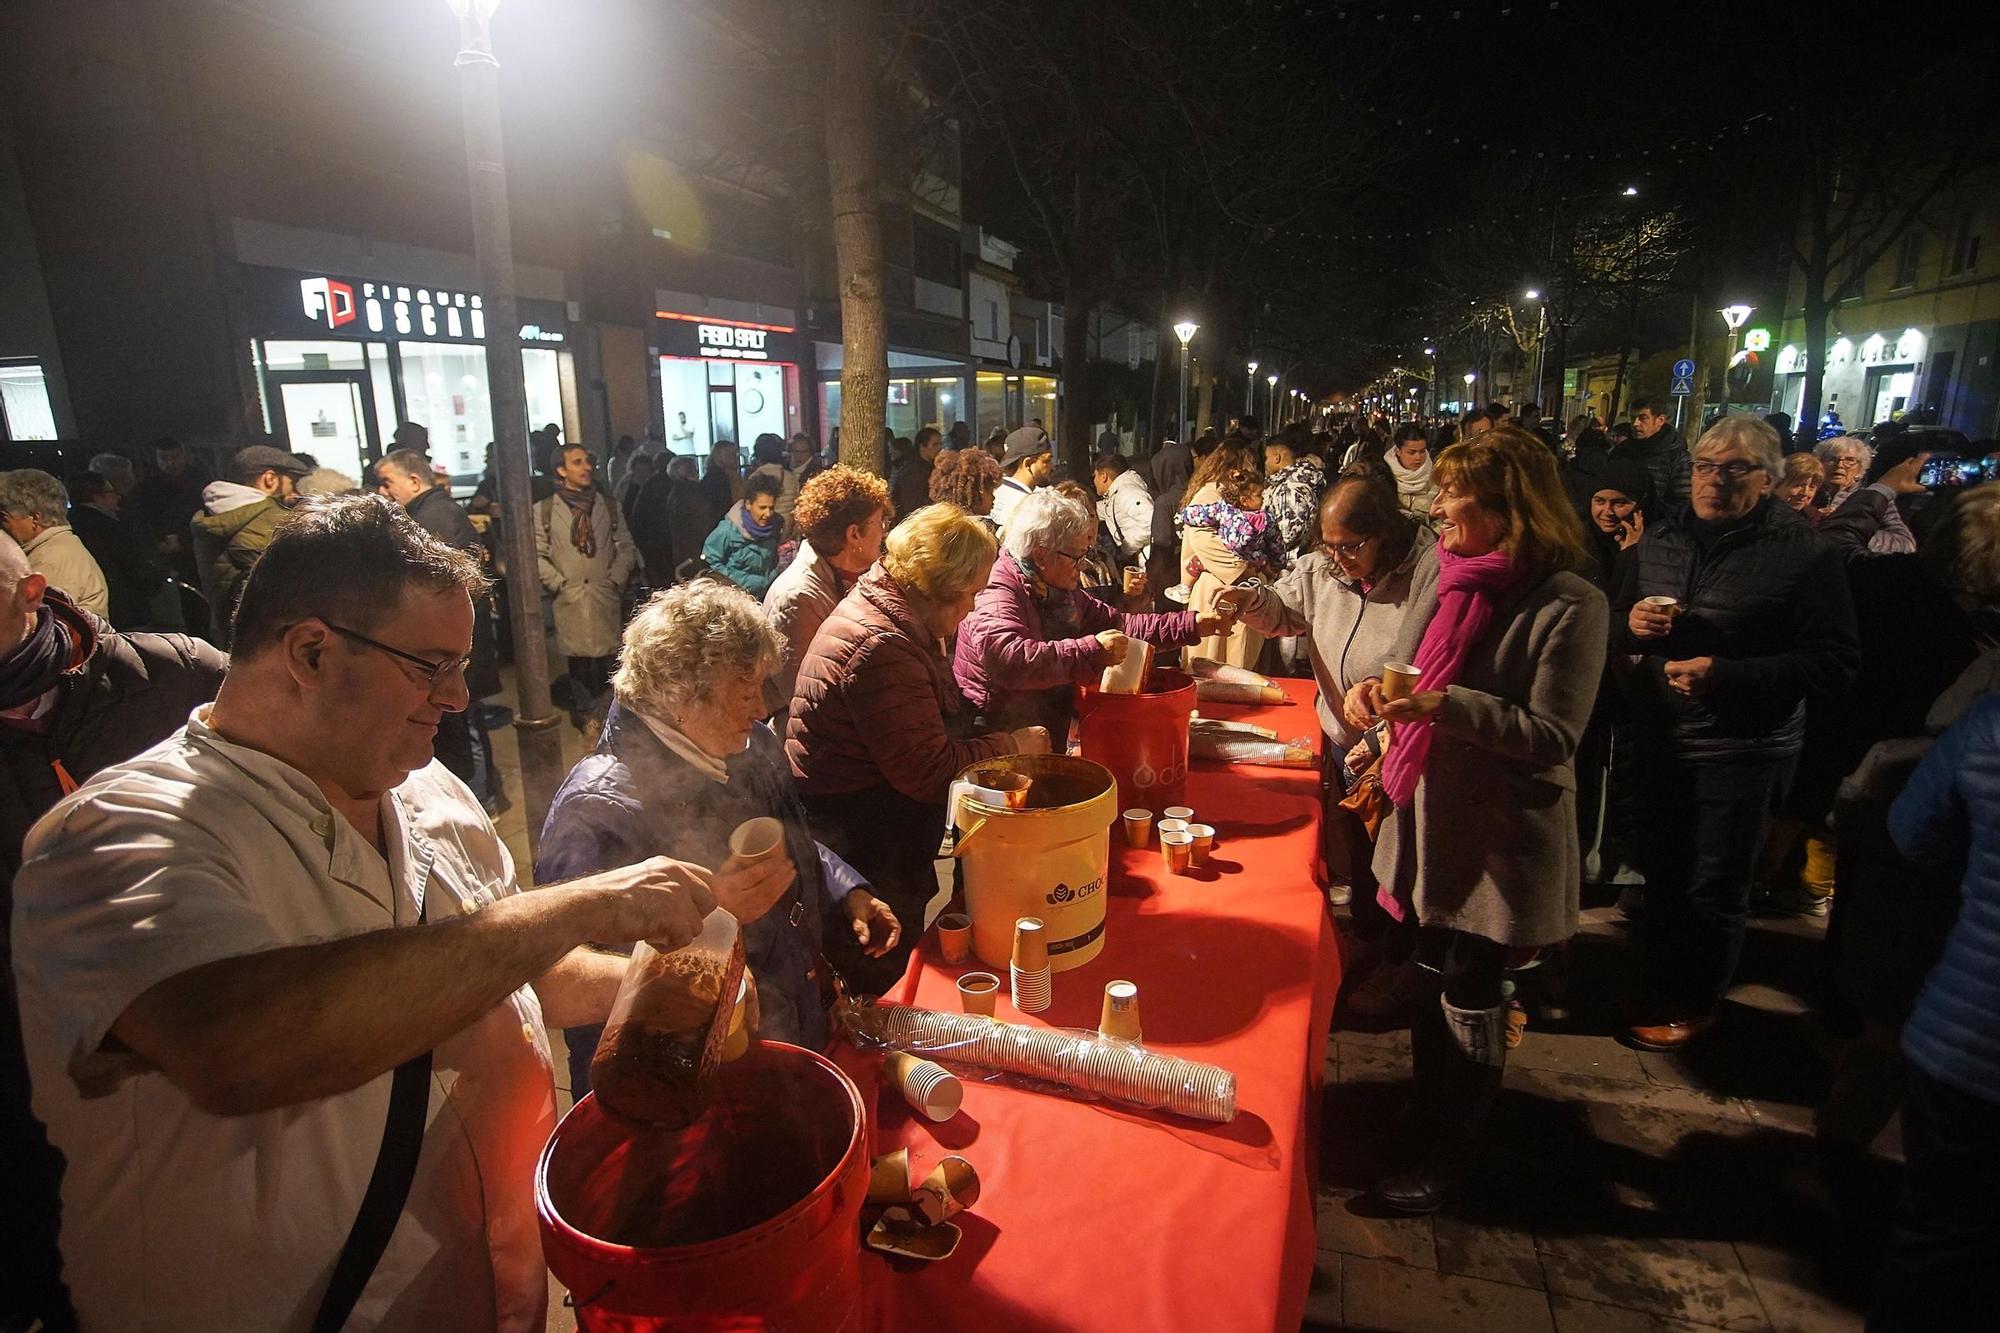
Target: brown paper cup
x=1663, y=603
x=1177, y=849
x=1138, y=827
x=1120, y=1016
x=1167, y=826
x=1184, y=813
x=928, y=1087
x=1204, y=843
x=955, y=937
x=950, y=1189
x=979, y=993
x=1399, y=680
x=1031, y=944
x=756, y=839
x=889, y=1178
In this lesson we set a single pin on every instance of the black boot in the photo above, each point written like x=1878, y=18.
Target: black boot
x=1431, y=1066
x=1475, y=1052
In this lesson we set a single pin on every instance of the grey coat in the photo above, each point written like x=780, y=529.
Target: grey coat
x=1352, y=631
x=588, y=590
x=1489, y=844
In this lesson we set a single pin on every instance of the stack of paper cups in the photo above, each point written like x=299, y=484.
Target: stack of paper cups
x=927, y=1087
x=1030, y=966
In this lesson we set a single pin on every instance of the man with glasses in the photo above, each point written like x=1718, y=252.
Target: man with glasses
x=283, y=1004
x=1659, y=447
x=1759, y=622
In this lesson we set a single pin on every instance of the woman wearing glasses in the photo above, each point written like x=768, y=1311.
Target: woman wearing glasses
x=1034, y=635
x=1760, y=623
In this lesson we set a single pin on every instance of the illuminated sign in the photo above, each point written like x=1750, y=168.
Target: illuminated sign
x=692, y=336
x=732, y=341
x=287, y=303
x=1756, y=340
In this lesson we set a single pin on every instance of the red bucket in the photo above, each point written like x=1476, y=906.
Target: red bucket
x=748, y=1219
x=1142, y=738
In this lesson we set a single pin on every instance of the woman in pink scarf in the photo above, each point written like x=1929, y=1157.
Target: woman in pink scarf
x=1482, y=843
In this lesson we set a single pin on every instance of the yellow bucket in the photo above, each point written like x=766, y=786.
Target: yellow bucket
x=1049, y=858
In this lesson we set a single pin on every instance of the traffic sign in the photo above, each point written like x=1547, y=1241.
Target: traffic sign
x=1683, y=370
x=1683, y=386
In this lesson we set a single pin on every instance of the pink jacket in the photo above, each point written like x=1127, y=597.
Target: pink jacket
x=1017, y=676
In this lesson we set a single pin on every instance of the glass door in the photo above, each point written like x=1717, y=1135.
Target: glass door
x=327, y=415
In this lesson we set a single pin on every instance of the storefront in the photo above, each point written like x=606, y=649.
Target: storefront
x=1011, y=398
x=924, y=390
x=341, y=360
x=1867, y=381
x=725, y=380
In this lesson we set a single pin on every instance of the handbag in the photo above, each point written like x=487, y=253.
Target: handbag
x=1367, y=801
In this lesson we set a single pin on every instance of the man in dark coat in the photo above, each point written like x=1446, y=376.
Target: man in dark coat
x=1660, y=447
x=133, y=571
x=166, y=500
x=911, y=488
x=75, y=697
x=670, y=521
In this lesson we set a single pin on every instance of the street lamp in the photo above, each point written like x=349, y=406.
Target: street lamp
x=1470, y=376
x=1630, y=192
x=1249, y=390
x=1735, y=316
x=1185, y=331
x=535, y=717
x=1273, y=382
x=1432, y=353
x=1541, y=340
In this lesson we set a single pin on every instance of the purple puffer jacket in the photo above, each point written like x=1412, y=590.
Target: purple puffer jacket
x=1016, y=676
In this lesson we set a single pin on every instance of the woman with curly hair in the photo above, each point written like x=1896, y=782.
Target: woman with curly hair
x=842, y=514
x=968, y=478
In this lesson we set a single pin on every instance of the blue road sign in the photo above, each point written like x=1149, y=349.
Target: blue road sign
x=1683, y=386
x=1683, y=370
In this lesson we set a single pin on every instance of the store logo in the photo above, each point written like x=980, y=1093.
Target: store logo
x=729, y=341
x=327, y=300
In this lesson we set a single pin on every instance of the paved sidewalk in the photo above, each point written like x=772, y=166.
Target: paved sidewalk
x=1621, y=1191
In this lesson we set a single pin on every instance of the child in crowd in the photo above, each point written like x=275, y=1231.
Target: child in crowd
x=1239, y=521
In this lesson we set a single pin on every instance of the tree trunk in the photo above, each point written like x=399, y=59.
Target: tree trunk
x=854, y=190
x=1149, y=444
x=1815, y=275
x=1204, y=400
x=1073, y=429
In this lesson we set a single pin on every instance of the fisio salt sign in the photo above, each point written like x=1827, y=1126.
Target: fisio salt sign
x=732, y=342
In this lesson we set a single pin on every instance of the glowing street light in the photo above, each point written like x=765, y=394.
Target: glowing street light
x=1735, y=316
x=1631, y=192
x=1250, y=390
x=1185, y=331
x=1272, y=380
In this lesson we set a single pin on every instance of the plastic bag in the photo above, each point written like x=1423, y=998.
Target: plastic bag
x=668, y=1027
x=1251, y=750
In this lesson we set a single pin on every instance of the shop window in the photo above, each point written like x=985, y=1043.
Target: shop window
x=311, y=354
x=445, y=391
x=1965, y=243
x=936, y=252
x=684, y=399
x=1908, y=254
x=541, y=384
x=25, y=409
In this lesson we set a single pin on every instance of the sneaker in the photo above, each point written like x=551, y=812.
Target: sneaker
x=1389, y=990
x=1340, y=895
x=1797, y=900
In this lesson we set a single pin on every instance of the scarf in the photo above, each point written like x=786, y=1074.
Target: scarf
x=1409, y=480
x=62, y=640
x=1468, y=587
x=752, y=528
x=1061, y=618
x=671, y=736
x=581, y=535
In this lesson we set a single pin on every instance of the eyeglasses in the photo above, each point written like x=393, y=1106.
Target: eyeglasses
x=435, y=673
x=1348, y=548
x=1734, y=471
x=1076, y=557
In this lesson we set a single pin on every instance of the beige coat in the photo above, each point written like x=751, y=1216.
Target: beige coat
x=59, y=556
x=1489, y=844
x=588, y=592
x=1220, y=568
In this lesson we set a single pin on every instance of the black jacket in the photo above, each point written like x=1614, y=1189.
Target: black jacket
x=134, y=691
x=1666, y=457
x=125, y=551
x=669, y=522
x=911, y=489
x=1769, y=602
x=438, y=514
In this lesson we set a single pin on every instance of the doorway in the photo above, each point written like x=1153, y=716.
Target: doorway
x=329, y=415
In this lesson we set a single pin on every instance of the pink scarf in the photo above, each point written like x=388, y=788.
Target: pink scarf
x=1468, y=586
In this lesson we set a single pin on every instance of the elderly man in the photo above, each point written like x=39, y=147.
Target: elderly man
x=74, y=697
x=1656, y=444
x=133, y=570
x=1028, y=462
x=911, y=485
x=842, y=516
x=165, y=500
x=236, y=523
x=1760, y=622
x=34, y=508
x=282, y=1001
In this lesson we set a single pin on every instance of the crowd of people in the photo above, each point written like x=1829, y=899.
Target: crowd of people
x=258, y=937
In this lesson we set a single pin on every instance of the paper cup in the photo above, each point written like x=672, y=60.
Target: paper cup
x=950, y=1189
x=1399, y=680
x=1177, y=849
x=1184, y=813
x=1031, y=989
x=1013, y=788
x=979, y=993
x=889, y=1178
x=1203, y=844
x=901, y=1233
x=756, y=839
x=1120, y=1016
x=1167, y=826
x=955, y=937
x=1667, y=604
x=1138, y=827
x=928, y=1087
x=1031, y=944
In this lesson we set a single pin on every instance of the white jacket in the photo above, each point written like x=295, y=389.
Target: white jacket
x=1127, y=511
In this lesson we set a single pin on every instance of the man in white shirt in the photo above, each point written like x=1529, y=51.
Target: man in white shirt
x=225, y=946
x=1028, y=459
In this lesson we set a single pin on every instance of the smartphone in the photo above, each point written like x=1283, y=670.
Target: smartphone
x=1949, y=470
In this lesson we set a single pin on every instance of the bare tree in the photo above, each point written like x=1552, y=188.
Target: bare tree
x=854, y=183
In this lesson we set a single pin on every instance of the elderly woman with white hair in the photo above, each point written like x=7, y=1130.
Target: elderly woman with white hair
x=1034, y=634
x=34, y=508
x=1846, y=459
x=683, y=762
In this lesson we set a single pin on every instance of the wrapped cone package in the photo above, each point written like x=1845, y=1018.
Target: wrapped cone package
x=1247, y=750
x=1215, y=726
x=1202, y=668
x=1238, y=692
x=1124, y=1071
x=1129, y=676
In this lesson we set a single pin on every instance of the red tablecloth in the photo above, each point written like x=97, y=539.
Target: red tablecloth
x=1096, y=1217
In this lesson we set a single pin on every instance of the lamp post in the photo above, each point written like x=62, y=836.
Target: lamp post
x=1271, y=405
x=1185, y=331
x=535, y=718
x=1735, y=316
x=1250, y=390
x=1470, y=377
x=1541, y=340
x=1432, y=353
